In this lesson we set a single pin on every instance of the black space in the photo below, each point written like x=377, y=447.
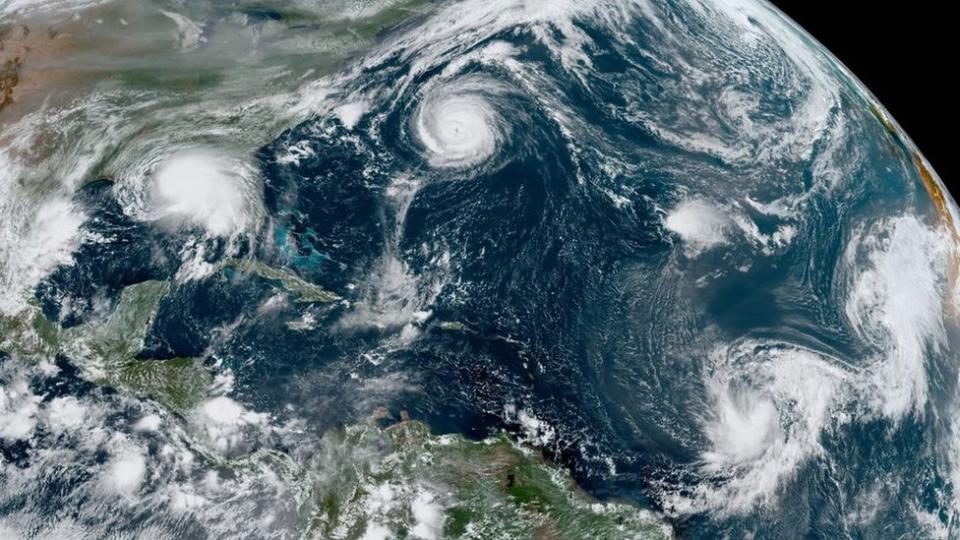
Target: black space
x=905, y=53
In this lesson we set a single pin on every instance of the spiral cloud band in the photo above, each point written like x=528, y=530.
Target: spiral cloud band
x=459, y=125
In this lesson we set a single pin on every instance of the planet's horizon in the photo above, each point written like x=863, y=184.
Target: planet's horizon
x=464, y=269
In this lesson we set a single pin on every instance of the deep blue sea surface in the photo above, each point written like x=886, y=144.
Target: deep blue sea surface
x=674, y=246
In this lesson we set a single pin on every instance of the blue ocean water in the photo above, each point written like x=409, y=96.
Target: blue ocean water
x=540, y=278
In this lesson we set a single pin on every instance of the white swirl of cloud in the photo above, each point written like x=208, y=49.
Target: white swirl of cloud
x=204, y=187
x=459, y=124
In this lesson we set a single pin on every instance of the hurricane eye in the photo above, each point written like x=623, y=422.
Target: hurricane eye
x=459, y=125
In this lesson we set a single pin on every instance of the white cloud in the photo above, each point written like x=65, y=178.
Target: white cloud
x=18, y=411
x=428, y=516
x=224, y=422
x=699, y=224
x=150, y=422
x=65, y=414
x=125, y=471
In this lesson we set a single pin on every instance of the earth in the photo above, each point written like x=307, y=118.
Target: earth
x=464, y=269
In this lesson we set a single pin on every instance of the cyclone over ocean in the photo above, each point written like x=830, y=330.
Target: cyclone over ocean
x=464, y=269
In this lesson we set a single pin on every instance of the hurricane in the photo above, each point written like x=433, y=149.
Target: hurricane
x=459, y=127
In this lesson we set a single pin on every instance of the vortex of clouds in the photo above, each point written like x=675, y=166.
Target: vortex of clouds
x=459, y=124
